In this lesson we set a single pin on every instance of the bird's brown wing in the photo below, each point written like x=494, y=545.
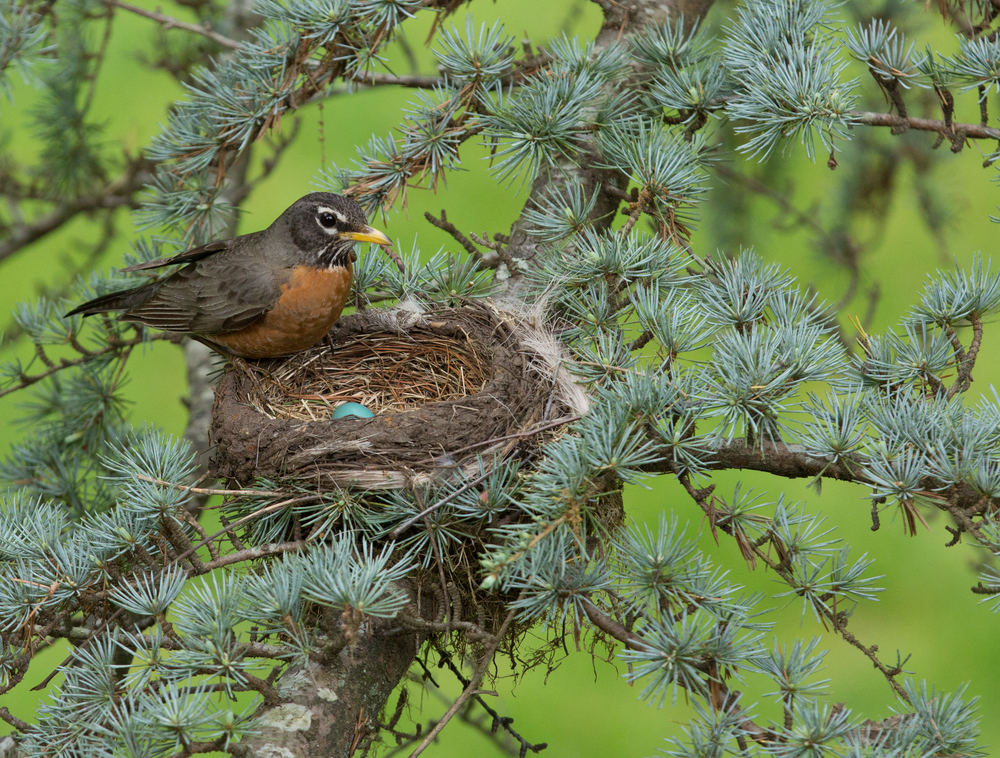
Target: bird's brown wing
x=212, y=295
x=188, y=256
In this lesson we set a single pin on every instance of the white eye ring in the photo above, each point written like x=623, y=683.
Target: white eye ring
x=329, y=219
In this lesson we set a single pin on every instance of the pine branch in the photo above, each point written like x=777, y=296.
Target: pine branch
x=617, y=631
x=620, y=21
x=792, y=462
x=118, y=346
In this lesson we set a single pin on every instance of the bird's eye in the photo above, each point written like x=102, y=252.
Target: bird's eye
x=328, y=220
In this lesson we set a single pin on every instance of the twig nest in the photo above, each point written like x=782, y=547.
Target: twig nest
x=445, y=386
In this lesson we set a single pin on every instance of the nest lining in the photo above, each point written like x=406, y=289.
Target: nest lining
x=386, y=373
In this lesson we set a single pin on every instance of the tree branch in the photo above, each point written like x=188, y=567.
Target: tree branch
x=445, y=225
x=793, y=462
x=611, y=627
x=26, y=380
x=974, y=131
x=115, y=195
x=413, y=81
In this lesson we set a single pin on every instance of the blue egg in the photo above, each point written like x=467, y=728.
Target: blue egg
x=351, y=409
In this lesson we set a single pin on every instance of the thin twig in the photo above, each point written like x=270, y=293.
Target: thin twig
x=966, y=360
x=729, y=698
x=839, y=623
x=394, y=534
x=208, y=491
x=635, y=210
x=497, y=247
x=169, y=22
x=414, y=81
x=613, y=628
x=469, y=691
x=503, y=722
x=115, y=195
x=26, y=380
x=254, y=554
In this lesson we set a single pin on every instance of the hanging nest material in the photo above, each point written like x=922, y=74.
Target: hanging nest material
x=445, y=385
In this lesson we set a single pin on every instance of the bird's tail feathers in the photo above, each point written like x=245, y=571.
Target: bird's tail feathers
x=113, y=301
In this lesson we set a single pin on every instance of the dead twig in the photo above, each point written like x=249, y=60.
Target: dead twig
x=445, y=225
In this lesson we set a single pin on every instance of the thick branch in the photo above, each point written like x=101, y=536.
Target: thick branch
x=328, y=708
x=793, y=462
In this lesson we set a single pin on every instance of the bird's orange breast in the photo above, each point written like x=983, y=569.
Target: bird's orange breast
x=311, y=301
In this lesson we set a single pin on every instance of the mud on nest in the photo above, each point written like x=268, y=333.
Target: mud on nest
x=446, y=385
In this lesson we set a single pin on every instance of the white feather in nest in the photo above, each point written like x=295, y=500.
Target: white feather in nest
x=548, y=357
x=400, y=319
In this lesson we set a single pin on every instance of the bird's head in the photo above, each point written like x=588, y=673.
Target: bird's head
x=325, y=227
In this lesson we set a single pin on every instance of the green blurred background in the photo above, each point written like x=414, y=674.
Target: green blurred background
x=585, y=707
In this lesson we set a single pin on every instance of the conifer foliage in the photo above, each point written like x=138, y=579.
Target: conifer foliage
x=692, y=361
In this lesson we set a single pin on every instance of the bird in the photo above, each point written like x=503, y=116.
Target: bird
x=265, y=294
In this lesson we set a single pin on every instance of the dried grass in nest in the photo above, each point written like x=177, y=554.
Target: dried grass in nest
x=386, y=373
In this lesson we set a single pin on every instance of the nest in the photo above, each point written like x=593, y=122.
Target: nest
x=447, y=387
x=386, y=373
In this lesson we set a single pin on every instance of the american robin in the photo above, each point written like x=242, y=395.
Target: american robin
x=259, y=295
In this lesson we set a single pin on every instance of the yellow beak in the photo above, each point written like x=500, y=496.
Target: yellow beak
x=368, y=235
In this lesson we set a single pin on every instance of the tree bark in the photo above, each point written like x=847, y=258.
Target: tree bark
x=328, y=708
